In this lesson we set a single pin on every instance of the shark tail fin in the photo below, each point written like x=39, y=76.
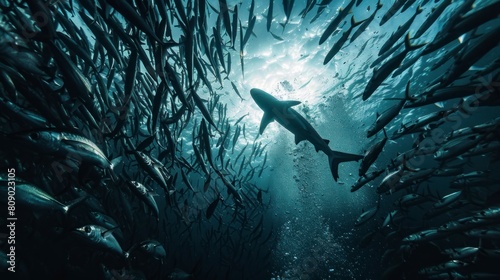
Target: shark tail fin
x=335, y=158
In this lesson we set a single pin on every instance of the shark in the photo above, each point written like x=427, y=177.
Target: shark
x=290, y=119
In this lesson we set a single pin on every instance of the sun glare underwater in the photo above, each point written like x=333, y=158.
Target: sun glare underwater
x=317, y=139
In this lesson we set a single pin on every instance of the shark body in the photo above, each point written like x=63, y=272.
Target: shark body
x=290, y=119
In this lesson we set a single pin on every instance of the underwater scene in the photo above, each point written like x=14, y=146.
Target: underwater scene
x=259, y=139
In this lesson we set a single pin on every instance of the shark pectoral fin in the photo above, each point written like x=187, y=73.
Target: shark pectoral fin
x=299, y=138
x=326, y=141
x=290, y=103
x=266, y=119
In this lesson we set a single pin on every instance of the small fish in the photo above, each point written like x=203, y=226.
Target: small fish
x=399, y=32
x=234, y=30
x=218, y=46
x=440, y=95
x=487, y=233
x=211, y=208
x=269, y=15
x=432, y=18
x=236, y=90
x=152, y=248
x=366, y=23
x=16, y=112
x=102, y=36
x=457, y=147
x=392, y=11
x=422, y=121
x=448, y=56
x=128, y=12
x=472, y=54
x=146, y=195
x=206, y=185
x=63, y=144
x=309, y=6
x=367, y=215
x=154, y=169
x=276, y=36
x=287, y=7
x=235, y=136
x=461, y=253
x=391, y=180
x=371, y=155
x=186, y=181
x=99, y=237
x=242, y=48
x=338, y=45
x=380, y=74
x=363, y=180
x=224, y=11
x=36, y=199
x=424, y=236
x=332, y=26
x=388, y=115
x=249, y=31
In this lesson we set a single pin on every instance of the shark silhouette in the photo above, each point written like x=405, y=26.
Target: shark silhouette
x=290, y=119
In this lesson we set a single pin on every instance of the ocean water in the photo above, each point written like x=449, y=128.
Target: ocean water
x=223, y=201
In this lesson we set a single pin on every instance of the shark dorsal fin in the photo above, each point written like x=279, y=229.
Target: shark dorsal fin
x=326, y=141
x=266, y=119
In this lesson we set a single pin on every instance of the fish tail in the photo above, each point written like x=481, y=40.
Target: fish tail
x=408, y=96
x=408, y=44
x=335, y=158
x=419, y=9
x=355, y=23
x=379, y=5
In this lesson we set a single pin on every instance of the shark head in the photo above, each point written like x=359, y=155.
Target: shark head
x=263, y=99
x=273, y=108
